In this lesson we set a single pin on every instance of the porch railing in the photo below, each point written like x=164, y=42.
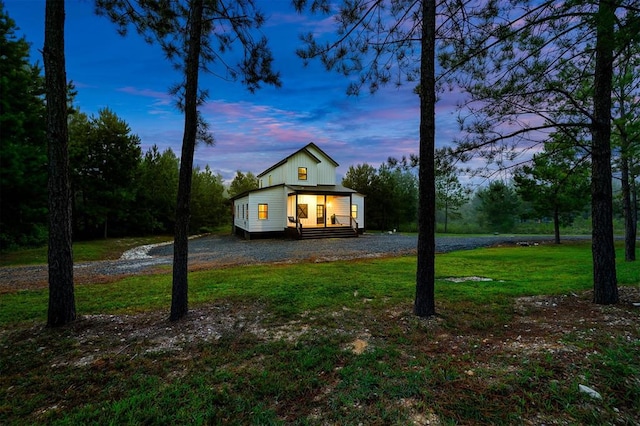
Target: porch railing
x=298, y=224
x=354, y=224
x=339, y=219
x=346, y=220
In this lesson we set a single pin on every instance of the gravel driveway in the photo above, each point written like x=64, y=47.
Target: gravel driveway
x=216, y=251
x=235, y=250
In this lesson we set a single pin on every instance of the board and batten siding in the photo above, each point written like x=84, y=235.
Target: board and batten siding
x=326, y=174
x=274, y=177
x=302, y=159
x=326, y=169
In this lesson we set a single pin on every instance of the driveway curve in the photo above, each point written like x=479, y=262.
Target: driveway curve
x=227, y=250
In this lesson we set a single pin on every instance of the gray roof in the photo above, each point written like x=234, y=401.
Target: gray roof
x=322, y=189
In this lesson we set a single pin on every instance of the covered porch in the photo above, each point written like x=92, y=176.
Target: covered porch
x=321, y=208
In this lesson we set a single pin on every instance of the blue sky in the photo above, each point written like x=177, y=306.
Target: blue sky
x=252, y=131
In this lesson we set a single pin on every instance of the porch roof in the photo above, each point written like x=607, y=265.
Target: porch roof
x=321, y=190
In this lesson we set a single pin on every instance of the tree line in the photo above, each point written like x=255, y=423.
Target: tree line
x=548, y=194
x=116, y=189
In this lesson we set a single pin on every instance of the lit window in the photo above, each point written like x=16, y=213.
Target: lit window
x=263, y=211
x=302, y=173
x=354, y=211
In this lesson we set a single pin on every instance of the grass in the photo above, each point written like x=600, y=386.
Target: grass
x=286, y=355
x=292, y=289
x=83, y=251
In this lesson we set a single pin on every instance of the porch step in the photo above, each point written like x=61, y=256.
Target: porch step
x=333, y=232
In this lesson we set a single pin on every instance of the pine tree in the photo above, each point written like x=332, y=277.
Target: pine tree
x=195, y=34
x=62, y=308
x=396, y=36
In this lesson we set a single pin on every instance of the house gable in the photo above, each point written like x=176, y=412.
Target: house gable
x=309, y=166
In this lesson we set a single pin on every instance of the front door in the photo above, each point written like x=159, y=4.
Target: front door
x=320, y=214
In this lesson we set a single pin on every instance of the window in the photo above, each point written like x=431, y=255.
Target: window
x=263, y=211
x=302, y=173
x=247, y=209
x=303, y=211
x=354, y=211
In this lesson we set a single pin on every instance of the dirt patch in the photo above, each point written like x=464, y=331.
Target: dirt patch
x=558, y=333
x=541, y=325
x=359, y=346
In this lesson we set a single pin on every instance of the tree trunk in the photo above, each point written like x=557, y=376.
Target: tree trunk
x=625, y=178
x=634, y=208
x=446, y=215
x=556, y=225
x=424, y=304
x=605, y=286
x=179, y=293
x=62, y=307
x=629, y=217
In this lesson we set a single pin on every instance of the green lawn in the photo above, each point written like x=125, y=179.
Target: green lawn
x=83, y=251
x=286, y=354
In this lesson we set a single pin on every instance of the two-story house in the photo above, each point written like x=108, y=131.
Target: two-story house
x=298, y=196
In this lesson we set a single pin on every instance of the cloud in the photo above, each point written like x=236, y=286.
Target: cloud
x=161, y=98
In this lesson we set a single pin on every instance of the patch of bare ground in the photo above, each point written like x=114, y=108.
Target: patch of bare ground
x=558, y=333
x=541, y=325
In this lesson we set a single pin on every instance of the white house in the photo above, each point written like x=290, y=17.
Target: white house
x=298, y=196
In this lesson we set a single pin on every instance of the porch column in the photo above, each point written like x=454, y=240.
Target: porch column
x=325, y=210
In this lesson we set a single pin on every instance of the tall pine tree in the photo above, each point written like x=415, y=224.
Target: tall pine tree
x=195, y=34
x=62, y=307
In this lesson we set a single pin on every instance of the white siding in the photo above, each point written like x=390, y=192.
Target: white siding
x=274, y=177
x=275, y=199
x=341, y=206
x=326, y=174
x=326, y=169
x=323, y=173
x=239, y=212
x=302, y=159
x=312, y=202
x=358, y=200
x=291, y=207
